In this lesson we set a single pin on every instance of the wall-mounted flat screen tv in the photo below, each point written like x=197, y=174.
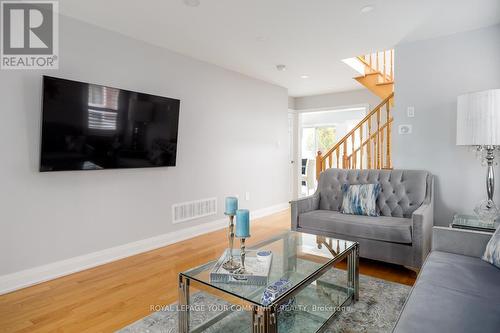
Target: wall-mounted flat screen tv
x=91, y=127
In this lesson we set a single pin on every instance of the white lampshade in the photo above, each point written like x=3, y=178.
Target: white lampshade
x=478, y=118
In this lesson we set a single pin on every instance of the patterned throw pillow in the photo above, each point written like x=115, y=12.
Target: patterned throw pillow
x=360, y=199
x=492, y=252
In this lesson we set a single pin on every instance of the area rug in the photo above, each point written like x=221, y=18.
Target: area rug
x=377, y=310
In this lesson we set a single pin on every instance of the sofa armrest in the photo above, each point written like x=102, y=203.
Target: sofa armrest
x=303, y=205
x=423, y=221
x=465, y=242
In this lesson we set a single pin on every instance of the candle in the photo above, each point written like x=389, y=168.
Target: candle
x=242, y=223
x=231, y=205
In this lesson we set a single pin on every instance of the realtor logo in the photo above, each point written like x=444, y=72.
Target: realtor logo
x=29, y=34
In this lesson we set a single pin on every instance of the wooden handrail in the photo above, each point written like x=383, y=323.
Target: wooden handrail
x=368, y=116
x=375, y=148
x=366, y=63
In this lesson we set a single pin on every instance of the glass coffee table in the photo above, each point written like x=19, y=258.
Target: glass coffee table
x=315, y=291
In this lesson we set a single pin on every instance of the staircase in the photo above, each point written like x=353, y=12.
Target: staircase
x=378, y=74
x=368, y=144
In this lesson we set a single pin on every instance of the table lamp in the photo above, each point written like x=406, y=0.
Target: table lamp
x=478, y=126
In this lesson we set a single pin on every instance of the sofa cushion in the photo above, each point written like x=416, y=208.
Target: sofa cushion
x=360, y=199
x=389, y=229
x=453, y=293
x=492, y=253
x=403, y=191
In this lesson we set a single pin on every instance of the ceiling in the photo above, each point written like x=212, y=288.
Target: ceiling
x=310, y=37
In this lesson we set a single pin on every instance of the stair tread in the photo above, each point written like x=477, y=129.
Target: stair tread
x=367, y=74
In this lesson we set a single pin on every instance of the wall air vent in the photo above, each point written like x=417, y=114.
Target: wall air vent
x=191, y=210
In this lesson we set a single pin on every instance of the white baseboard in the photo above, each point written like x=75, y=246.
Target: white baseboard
x=32, y=276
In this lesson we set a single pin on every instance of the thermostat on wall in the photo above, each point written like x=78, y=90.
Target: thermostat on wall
x=404, y=129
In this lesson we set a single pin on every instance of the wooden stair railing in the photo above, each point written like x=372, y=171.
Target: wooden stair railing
x=366, y=146
x=378, y=74
x=380, y=62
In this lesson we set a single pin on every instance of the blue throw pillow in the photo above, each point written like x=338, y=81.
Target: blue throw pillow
x=360, y=199
x=492, y=252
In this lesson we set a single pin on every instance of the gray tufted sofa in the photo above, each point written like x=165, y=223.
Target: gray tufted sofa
x=400, y=235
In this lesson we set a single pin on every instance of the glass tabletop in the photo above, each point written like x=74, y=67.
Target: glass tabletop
x=295, y=257
x=473, y=222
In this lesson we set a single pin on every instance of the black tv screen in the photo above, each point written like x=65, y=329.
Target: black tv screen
x=90, y=127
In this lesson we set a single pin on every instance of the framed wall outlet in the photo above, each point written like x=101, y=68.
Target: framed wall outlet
x=405, y=129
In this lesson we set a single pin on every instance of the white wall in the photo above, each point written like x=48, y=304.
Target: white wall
x=310, y=119
x=430, y=75
x=230, y=127
x=337, y=100
x=291, y=103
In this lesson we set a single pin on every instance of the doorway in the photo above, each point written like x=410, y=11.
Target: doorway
x=319, y=131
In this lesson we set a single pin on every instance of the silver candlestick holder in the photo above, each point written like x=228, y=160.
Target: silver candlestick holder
x=231, y=265
x=243, y=253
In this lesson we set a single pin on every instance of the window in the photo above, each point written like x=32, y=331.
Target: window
x=316, y=139
x=325, y=138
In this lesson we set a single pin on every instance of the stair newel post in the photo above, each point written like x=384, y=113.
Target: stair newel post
x=319, y=164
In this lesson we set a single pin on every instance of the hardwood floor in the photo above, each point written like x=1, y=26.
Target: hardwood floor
x=109, y=297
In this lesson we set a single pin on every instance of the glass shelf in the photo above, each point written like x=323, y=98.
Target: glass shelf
x=472, y=222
